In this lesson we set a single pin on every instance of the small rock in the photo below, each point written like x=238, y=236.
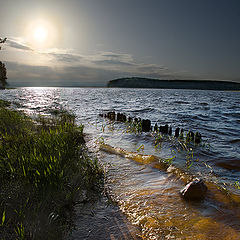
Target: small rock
x=194, y=190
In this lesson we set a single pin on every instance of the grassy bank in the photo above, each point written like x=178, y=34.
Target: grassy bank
x=44, y=168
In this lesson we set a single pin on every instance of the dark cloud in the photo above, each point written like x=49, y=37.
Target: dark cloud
x=13, y=43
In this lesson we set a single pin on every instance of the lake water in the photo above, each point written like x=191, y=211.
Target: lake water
x=147, y=194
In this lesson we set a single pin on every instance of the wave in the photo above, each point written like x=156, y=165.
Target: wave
x=143, y=110
x=181, y=102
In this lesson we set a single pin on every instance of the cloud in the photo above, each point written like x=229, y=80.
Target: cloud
x=64, y=67
x=66, y=57
x=128, y=65
x=28, y=75
x=18, y=44
x=110, y=58
x=112, y=62
x=18, y=71
x=151, y=68
x=109, y=61
x=70, y=75
x=62, y=55
x=59, y=55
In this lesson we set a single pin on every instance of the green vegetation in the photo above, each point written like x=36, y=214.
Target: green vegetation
x=44, y=168
x=3, y=70
x=134, y=127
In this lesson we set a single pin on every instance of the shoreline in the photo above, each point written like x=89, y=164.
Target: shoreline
x=45, y=169
x=81, y=215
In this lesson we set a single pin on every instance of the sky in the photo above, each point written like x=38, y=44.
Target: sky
x=89, y=42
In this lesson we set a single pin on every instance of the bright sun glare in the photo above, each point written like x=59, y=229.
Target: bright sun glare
x=41, y=34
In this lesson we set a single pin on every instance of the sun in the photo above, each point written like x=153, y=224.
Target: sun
x=40, y=34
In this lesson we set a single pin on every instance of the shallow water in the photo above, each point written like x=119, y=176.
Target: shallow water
x=147, y=193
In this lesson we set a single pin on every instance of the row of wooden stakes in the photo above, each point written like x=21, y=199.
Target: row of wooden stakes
x=146, y=126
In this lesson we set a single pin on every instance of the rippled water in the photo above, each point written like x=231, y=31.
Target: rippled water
x=146, y=193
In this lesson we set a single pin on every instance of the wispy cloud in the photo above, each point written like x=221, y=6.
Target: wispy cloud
x=114, y=59
x=62, y=55
x=112, y=62
x=18, y=43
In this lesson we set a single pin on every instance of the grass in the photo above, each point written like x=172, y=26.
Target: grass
x=44, y=168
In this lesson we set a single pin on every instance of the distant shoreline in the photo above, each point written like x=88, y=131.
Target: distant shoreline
x=136, y=82
x=148, y=83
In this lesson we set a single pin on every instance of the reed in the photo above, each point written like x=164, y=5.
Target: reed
x=44, y=168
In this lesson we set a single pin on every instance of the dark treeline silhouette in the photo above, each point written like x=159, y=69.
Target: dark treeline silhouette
x=137, y=82
x=3, y=70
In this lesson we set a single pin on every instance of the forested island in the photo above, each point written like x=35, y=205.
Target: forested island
x=137, y=82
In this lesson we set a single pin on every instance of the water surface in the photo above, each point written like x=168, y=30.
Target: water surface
x=147, y=194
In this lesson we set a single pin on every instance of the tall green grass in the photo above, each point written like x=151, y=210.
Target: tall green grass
x=44, y=167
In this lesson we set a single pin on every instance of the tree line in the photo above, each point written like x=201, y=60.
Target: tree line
x=3, y=70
